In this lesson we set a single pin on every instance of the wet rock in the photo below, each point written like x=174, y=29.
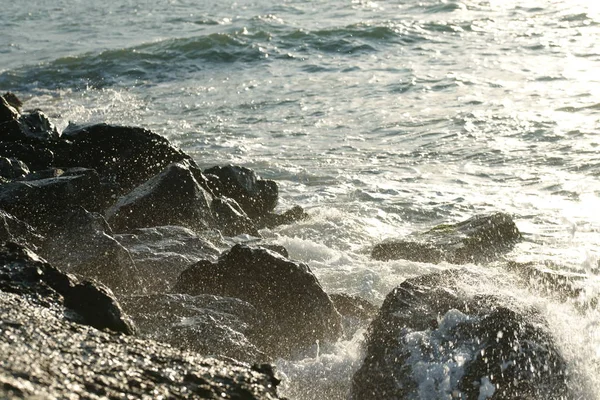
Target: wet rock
x=162, y=253
x=298, y=311
x=30, y=127
x=46, y=356
x=173, y=197
x=231, y=219
x=547, y=280
x=209, y=325
x=83, y=244
x=432, y=339
x=272, y=220
x=35, y=156
x=479, y=239
x=126, y=156
x=14, y=230
x=255, y=196
x=356, y=312
x=13, y=101
x=22, y=272
x=42, y=202
x=11, y=168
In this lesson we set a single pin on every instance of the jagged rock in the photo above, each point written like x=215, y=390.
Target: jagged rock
x=162, y=253
x=35, y=156
x=173, y=197
x=33, y=126
x=14, y=230
x=479, y=239
x=22, y=272
x=231, y=219
x=13, y=100
x=297, y=309
x=431, y=339
x=356, y=312
x=271, y=220
x=42, y=202
x=11, y=168
x=126, y=156
x=255, y=196
x=209, y=325
x=83, y=244
x=45, y=356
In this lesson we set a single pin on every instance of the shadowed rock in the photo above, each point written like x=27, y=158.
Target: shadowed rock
x=432, y=339
x=172, y=197
x=11, y=168
x=255, y=196
x=14, y=230
x=162, y=253
x=83, y=244
x=298, y=311
x=22, y=272
x=479, y=239
x=210, y=325
x=231, y=219
x=42, y=202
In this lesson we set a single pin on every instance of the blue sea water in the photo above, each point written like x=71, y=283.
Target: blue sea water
x=378, y=117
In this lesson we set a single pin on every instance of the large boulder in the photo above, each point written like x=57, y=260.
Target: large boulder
x=23, y=273
x=35, y=156
x=255, y=196
x=83, y=244
x=479, y=239
x=209, y=325
x=126, y=156
x=431, y=339
x=298, y=311
x=172, y=197
x=162, y=253
x=41, y=202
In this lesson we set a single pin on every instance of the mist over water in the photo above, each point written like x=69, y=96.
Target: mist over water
x=379, y=118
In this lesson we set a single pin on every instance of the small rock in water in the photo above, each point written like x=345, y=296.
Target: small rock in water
x=479, y=239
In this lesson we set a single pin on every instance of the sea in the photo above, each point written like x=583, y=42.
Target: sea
x=379, y=118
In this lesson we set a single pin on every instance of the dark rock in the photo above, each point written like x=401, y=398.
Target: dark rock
x=42, y=202
x=356, y=312
x=271, y=220
x=162, y=253
x=11, y=168
x=209, y=325
x=35, y=156
x=45, y=356
x=13, y=100
x=173, y=197
x=479, y=239
x=298, y=311
x=33, y=126
x=432, y=339
x=255, y=196
x=353, y=306
x=14, y=230
x=277, y=248
x=82, y=244
x=126, y=156
x=231, y=219
x=24, y=273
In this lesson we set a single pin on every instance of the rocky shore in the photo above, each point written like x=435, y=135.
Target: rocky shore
x=116, y=281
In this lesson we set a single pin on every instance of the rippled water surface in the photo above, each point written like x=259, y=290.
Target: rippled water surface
x=380, y=118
